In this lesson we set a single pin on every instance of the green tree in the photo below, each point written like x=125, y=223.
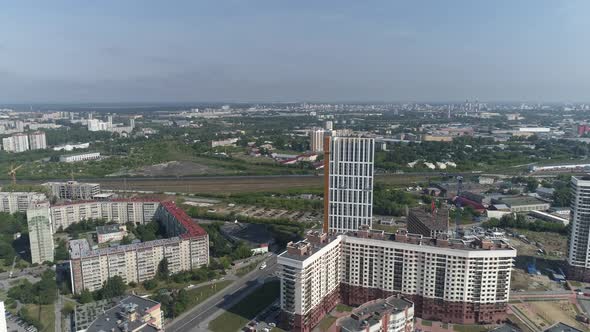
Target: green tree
x=163, y=271
x=113, y=287
x=150, y=284
x=85, y=296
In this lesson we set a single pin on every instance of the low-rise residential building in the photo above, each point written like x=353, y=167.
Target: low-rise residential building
x=519, y=204
x=13, y=202
x=131, y=313
x=224, y=142
x=79, y=157
x=451, y=280
x=392, y=314
x=109, y=233
x=73, y=190
x=186, y=249
x=122, y=211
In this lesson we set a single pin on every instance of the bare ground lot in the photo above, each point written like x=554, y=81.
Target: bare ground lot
x=174, y=168
x=546, y=313
x=237, y=184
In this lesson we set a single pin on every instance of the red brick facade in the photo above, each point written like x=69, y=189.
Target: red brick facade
x=426, y=308
x=578, y=273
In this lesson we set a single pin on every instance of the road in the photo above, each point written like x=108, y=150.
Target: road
x=58, y=307
x=199, y=317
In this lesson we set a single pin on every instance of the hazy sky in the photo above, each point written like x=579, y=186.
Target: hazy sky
x=254, y=50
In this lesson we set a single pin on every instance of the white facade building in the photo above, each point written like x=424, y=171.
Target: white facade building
x=316, y=137
x=455, y=281
x=393, y=314
x=13, y=202
x=121, y=211
x=578, y=257
x=38, y=141
x=350, y=183
x=3, y=327
x=16, y=143
x=40, y=233
x=79, y=157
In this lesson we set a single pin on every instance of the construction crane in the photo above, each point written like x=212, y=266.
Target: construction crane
x=458, y=204
x=12, y=172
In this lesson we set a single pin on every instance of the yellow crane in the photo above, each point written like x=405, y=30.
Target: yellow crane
x=12, y=172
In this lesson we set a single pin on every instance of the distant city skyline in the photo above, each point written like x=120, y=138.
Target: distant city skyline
x=279, y=51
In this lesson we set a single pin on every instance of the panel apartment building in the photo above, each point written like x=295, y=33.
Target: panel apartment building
x=73, y=190
x=122, y=211
x=454, y=281
x=13, y=202
x=186, y=249
x=578, y=257
x=348, y=161
x=40, y=233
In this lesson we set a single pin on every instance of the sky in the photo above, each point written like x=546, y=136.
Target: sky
x=292, y=51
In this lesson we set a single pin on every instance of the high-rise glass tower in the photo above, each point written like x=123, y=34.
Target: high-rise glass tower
x=349, y=169
x=578, y=256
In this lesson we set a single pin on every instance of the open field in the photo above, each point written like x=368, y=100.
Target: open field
x=546, y=313
x=45, y=314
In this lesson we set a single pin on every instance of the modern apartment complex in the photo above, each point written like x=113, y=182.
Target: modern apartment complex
x=451, y=280
x=122, y=211
x=428, y=222
x=37, y=140
x=187, y=248
x=40, y=233
x=73, y=190
x=393, y=314
x=578, y=257
x=349, y=188
x=13, y=202
x=316, y=137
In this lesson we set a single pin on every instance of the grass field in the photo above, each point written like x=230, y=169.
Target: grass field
x=469, y=328
x=326, y=322
x=242, y=312
x=200, y=294
x=242, y=271
x=45, y=314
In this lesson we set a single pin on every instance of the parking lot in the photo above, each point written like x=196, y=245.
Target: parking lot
x=14, y=323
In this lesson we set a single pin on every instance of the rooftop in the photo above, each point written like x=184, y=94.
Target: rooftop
x=107, y=229
x=115, y=200
x=191, y=227
x=116, y=315
x=371, y=313
x=520, y=200
x=85, y=251
x=315, y=241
